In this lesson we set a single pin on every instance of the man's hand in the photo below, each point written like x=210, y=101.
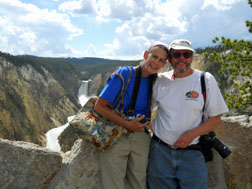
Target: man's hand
x=185, y=139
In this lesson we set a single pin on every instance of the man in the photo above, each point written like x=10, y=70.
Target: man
x=174, y=159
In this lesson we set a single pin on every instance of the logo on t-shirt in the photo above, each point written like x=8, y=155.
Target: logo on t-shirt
x=192, y=95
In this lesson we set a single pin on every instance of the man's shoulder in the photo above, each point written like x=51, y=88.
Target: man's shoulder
x=165, y=75
x=207, y=74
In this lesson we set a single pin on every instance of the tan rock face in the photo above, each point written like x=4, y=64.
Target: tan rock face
x=30, y=103
x=80, y=168
x=95, y=84
x=67, y=139
x=199, y=62
x=26, y=165
x=238, y=166
x=29, y=165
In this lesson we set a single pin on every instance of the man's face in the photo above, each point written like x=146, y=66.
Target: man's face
x=181, y=60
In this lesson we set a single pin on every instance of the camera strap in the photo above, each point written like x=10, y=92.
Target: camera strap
x=205, y=144
x=135, y=91
x=203, y=90
x=205, y=147
x=134, y=96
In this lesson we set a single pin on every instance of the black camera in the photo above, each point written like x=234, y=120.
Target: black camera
x=144, y=120
x=215, y=143
x=146, y=128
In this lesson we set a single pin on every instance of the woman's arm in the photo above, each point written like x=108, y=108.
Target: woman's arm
x=103, y=108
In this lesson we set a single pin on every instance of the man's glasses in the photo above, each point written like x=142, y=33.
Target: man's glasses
x=185, y=54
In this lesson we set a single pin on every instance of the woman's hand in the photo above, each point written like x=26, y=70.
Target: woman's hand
x=135, y=125
x=102, y=106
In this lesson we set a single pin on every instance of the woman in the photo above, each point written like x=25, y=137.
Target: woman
x=124, y=164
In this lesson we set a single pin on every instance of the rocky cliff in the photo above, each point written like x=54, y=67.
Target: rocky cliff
x=26, y=165
x=37, y=94
x=236, y=132
x=32, y=103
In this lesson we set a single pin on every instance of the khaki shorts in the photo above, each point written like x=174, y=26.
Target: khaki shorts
x=124, y=165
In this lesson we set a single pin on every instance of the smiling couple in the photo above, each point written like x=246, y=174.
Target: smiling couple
x=168, y=158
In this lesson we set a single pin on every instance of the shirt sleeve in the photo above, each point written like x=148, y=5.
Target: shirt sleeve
x=154, y=95
x=112, y=88
x=215, y=104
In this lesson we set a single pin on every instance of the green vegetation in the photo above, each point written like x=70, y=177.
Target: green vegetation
x=235, y=62
x=92, y=66
x=68, y=71
x=216, y=48
x=83, y=68
x=53, y=65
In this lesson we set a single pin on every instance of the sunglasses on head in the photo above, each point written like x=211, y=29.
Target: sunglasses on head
x=185, y=54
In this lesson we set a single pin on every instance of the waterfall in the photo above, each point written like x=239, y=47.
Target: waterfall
x=53, y=134
x=83, y=92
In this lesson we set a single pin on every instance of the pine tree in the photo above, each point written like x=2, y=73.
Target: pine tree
x=236, y=61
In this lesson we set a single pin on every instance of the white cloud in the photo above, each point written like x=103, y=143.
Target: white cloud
x=91, y=50
x=220, y=4
x=120, y=10
x=73, y=51
x=141, y=21
x=81, y=7
x=165, y=21
x=27, y=29
x=159, y=22
x=129, y=47
x=31, y=30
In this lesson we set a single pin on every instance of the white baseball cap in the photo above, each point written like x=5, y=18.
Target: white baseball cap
x=181, y=44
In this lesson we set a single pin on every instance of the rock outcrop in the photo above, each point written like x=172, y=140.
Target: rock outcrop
x=236, y=133
x=216, y=178
x=95, y=84
x=80, y=168
x=26, y=164
x=31, y=103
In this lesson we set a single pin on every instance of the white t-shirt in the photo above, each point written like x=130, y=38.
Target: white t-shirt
x=180, y=101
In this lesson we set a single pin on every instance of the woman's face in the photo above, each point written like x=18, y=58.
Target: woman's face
x=154, y=60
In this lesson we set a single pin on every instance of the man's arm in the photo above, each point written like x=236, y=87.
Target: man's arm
x=187, y=137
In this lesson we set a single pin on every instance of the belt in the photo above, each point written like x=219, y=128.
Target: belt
x=191, y=147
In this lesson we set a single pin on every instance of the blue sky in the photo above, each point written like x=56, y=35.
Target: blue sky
x=116, y=29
